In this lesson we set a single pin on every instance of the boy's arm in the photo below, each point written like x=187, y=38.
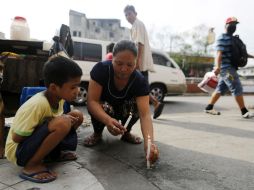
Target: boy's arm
x=17, y=138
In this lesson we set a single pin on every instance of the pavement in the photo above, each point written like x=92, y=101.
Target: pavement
x=198, y=151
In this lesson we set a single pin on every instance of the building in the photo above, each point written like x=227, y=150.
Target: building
x=101, y=29
x=247, y=72
x=2, y=35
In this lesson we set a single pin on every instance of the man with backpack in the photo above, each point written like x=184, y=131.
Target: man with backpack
x=226, y=64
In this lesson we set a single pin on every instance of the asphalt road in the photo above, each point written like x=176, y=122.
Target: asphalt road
x=197, y=151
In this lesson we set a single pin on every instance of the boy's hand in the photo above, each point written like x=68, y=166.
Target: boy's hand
x=73, y=119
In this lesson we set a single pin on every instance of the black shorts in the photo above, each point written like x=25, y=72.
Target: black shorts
x=30, y=145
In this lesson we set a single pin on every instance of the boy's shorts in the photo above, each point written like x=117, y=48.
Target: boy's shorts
x=26, y=150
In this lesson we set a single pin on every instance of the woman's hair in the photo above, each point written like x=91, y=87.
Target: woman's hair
x=125, y=45
x=60, y=70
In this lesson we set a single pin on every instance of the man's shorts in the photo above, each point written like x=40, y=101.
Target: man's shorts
x=26, y=150
x=229, y=80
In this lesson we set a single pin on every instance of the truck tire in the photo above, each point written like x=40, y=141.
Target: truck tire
x=157, y=91
x=82, y=96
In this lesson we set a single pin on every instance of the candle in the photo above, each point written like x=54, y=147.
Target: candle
x=148, y=165
x=128, y=120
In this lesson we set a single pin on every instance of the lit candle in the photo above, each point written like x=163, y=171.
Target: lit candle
x=148, y=165
x=128, y=120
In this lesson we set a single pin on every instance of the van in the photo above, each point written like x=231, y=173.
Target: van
x=167, y=80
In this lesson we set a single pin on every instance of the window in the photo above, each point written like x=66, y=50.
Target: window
x=161, y=60
x=97, y=30
x=111, y=34
x=79, y=34
x=87, y=52
x=74, y=33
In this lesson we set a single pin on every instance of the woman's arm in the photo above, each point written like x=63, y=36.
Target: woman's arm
x=95, y=108
x=147, y=126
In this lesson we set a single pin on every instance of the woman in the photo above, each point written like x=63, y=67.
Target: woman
x=116, y=91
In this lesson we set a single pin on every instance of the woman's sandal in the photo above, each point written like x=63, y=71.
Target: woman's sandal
x=130, y=138
x=67, y=156
x=92, y=140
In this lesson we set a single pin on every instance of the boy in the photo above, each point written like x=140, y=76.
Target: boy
x=40, y=131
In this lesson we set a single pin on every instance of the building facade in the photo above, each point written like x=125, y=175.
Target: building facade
x=247, y=72
x=100, y=29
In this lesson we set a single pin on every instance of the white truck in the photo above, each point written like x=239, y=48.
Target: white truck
x=167, y=80
x=27, y=70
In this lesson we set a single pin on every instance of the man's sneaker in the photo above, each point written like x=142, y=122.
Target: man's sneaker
x=212, y=112
x=248, y=115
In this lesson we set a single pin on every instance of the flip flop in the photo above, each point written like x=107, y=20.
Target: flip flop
x=31, y=177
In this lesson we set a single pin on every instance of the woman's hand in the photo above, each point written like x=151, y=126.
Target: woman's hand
x=154, y=153
x=115, y=128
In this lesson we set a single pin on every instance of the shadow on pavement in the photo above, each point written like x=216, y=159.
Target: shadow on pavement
x=118, y=165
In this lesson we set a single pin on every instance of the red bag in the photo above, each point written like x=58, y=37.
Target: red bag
x=209, y=82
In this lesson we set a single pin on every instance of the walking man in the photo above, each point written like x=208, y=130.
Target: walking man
x=229, y=79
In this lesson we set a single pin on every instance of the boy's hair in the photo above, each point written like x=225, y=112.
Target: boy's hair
x=125, y=45
x=60, y=70
x=130, y=8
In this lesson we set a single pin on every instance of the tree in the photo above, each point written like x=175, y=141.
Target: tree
x=193, y=42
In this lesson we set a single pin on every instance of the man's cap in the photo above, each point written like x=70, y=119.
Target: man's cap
x=232, y=20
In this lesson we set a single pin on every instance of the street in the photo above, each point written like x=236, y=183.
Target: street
x=197, y=152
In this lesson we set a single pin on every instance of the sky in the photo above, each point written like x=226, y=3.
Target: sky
x=46, y=16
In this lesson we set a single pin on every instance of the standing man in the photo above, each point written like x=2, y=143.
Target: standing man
x=144, y=59
x=224, y=66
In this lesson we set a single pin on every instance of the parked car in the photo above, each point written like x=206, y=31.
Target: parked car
x=167, y=80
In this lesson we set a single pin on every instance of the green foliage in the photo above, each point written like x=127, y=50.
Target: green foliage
x=192, y=42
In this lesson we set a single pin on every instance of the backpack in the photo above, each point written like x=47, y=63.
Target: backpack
x=239, y=56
